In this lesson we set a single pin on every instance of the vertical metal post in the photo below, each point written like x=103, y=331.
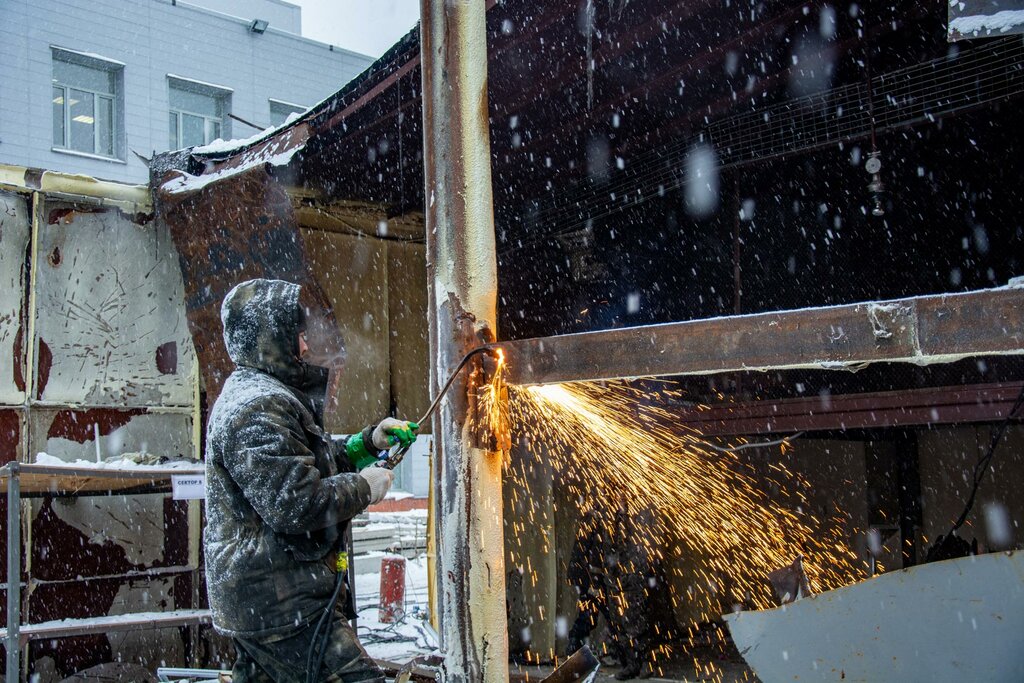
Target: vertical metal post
x=462, y=267
x=13, y=573
x=535, y=556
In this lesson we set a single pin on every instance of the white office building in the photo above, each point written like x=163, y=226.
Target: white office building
x=88, y=85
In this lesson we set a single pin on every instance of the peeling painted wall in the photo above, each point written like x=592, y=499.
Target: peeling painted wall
x=69, y=434
x=12, y=427
x=94, y=341
x=110, y=322
x=15, y=233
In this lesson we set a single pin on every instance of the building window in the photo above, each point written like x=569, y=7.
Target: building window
x=198, y=112
x=88, y=104
x=280, y=111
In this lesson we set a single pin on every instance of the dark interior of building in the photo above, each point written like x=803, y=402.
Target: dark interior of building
x=659, y=161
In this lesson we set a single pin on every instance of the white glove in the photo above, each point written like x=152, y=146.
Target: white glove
x=379, y=479
x=391, y=431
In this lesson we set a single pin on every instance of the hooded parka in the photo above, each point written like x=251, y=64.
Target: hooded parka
x=279, y=491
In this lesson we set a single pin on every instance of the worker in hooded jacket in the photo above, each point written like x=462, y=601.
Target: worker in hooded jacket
x=280, y=494
x=614, y=569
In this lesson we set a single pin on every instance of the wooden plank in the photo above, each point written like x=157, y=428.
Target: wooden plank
x=921, y=330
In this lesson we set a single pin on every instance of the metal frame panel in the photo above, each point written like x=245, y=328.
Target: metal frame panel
x=15, y=235
x=100, y=286
x=110, y=324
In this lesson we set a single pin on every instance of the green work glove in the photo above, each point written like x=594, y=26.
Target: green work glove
x=358, y=453
x=391, y=431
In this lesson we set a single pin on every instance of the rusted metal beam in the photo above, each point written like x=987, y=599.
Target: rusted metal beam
x=922, y=330
x=874, y=410
x=360, y=219
x=462, y=271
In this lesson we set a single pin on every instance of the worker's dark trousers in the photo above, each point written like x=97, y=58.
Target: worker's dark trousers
x=284, y=660
x=590, y=608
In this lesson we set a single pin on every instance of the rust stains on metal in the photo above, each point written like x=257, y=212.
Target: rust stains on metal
x=903, y=408
x=463, y=268
x=44, y=362
x=167, y=358
x=240, y=227
x=80, y=425
x=106, y=293
x=63, y=553
x=481, y=372
x=282, y=143
x=921, y=330
x=10, y=435
x=90, y=577
x=92, y=291
x=462, y=336
x=15, y=264
x=19, y=352
x=66, y=215
x=369, y=95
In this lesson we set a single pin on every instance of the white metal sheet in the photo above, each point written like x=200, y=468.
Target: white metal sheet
x=958, y=620
x=111, y=313
x=15, y=234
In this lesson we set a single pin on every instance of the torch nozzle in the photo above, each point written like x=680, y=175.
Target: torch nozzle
x=491, y=350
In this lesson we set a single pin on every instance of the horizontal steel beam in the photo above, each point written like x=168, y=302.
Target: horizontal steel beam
x=905, y=408
x=922, y=330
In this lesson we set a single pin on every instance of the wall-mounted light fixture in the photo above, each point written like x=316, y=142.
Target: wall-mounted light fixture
x=259, y=25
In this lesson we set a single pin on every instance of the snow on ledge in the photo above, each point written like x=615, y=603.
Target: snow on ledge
x=1001, y=22
x=114, y=464
x=184, y=182
x=116, y=622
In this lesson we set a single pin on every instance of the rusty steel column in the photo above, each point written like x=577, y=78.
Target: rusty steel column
x=462, y=273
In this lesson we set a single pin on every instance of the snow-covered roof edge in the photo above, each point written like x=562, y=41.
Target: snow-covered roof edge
x=221, y=149
x=999, y=21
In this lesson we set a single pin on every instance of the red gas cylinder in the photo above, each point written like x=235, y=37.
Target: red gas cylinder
x=392, y=588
